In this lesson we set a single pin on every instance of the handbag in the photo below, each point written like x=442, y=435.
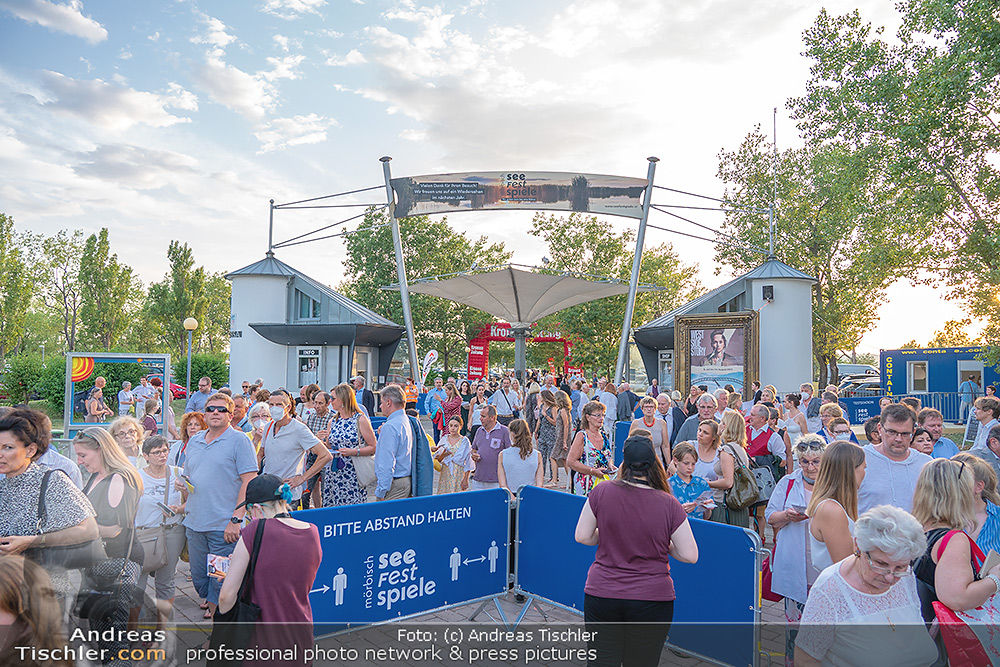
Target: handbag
x=744, y=492
x=764, y=477
x=154, y=539
x=234, y=628
x=68, y=557
x=364, y=466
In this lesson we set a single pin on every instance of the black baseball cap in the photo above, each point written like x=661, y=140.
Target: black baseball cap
x=638, y=452
x=263, y=489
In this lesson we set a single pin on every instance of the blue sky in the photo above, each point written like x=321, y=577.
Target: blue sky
x=180, y=119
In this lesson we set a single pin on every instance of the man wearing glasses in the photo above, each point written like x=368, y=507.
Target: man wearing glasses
x=893, y=467
x=196, y=402
x=220, y=463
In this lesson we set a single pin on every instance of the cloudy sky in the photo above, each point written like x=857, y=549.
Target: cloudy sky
x=181, y=119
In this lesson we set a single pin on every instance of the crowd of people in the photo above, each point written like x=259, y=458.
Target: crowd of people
x=907, y=514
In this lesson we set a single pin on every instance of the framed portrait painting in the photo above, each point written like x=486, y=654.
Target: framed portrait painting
x=715, y=350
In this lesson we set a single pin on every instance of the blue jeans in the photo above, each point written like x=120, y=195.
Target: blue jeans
x=200, y=544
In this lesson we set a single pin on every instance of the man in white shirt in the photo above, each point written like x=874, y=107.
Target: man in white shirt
x=505, y=400
x=810, y=407
x=987, y=410
x=892, y=467
x=285, y=444
x=664, y=411
x=142, y=393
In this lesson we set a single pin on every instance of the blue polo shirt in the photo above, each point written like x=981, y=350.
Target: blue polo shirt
x=214, y=470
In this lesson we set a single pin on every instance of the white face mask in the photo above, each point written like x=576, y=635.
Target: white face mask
x=277, y=412
x=842, y=436
x=804, y=395
x=259, y=423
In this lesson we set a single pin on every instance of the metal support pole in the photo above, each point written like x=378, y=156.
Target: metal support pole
x=270, y=231
x=404, y=288
x=636, y=263
x=520, y=354
x=189, y=365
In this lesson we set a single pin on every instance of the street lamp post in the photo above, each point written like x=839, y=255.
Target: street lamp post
x=190, y=324
x=43, y=354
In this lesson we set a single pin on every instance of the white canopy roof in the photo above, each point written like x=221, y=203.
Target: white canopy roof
x=520, y=297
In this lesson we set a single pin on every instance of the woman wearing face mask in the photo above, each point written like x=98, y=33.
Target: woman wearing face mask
x=838, y=428
x=260, y=417
x=833, y=508
x=786, y=513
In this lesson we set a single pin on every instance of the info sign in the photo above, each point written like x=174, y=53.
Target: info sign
x=388, y=560
x=519, y=190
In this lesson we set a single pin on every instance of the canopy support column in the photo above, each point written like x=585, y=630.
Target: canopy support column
x=520, y=352
x=636, y=263
x=404, y=288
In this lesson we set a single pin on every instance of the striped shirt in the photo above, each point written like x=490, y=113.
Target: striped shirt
x=989, y=535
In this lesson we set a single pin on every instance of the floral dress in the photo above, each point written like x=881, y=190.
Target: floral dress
x=454, y=465
x=592, y=457
x=340, y=479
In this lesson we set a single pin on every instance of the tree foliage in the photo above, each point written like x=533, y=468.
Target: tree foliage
x=203, y=364
x=15, y=287
x=181, y=294
x=954, y=333
x=21, y=377
x=586, y=244
x=928, y=104
x=56, y=271
x=109, y=293
x=430, y=247
x=838, y=220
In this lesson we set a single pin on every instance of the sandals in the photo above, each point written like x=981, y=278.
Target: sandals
x=208, y=613
x=203, y=605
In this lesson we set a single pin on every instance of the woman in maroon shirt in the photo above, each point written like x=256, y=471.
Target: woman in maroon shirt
x=629, y=595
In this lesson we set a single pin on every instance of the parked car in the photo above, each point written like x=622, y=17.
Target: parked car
x=864, y=386
x=177, y=391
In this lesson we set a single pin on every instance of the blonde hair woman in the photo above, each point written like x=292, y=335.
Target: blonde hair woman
x=987, y=502
x=545, y=431
x=833, y=508
x=114, y=488
x=732, y=444
x=350, y=435
x=520, y=465
x=944, y=503
x=564, y=435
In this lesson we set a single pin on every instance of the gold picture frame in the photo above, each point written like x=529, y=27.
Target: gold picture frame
x=726, y=350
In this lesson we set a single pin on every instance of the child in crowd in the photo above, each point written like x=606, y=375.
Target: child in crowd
x=686, y=487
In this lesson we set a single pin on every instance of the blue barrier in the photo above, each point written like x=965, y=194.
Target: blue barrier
x=621, y=433
x=394, y=559
x=723, y=587
x=861, y=408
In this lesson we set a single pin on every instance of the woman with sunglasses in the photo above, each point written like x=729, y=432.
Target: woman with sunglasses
x=786, y=512
x=987, y=531
x=864, y=610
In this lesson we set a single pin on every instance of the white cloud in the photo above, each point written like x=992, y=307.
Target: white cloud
x=155, y=37
x=283, y=68
x=215, y=33
x=125, y=55
x=138, y=167
x=66, y=18
x=244, y=93
x=413, y=135
x=284, y=132
x=292, y=9
x=110, y=106
x=281, y=41
x=354, y=57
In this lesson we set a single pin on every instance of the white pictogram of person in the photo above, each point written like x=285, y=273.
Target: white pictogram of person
x=339, y=584
x=494, y=553
x=454, y=562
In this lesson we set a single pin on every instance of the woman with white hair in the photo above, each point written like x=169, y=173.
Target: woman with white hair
x=864, y=610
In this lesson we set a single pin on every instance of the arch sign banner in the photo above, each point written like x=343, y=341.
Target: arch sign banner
x=519, y=190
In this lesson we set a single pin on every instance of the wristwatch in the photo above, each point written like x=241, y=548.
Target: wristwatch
x=235, y=519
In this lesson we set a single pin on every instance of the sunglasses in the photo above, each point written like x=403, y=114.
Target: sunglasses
x=217, y=408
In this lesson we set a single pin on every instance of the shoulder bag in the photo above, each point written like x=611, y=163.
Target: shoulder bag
x=68, y=557
x=234, y=628
x=744, y=492
x=154, y=540
x=764, y=476
x=765, y=581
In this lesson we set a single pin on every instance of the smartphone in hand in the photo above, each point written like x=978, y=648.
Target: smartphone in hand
x=218, y=566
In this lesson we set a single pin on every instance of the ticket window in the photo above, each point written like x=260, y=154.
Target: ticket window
x=309, y=366
x=666, y=370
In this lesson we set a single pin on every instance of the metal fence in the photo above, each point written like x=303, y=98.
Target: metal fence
x=949, y=403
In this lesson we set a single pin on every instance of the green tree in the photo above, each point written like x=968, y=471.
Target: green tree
x=181, y=294
x=430, y=247
x=838, y=220
x=56, y=271
x=954, y=334
x=22, y=377
x=214, y=327
x=109, y=293
x=577, y=242
x=203, y=364
x=15, y=287
x=928, y=103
